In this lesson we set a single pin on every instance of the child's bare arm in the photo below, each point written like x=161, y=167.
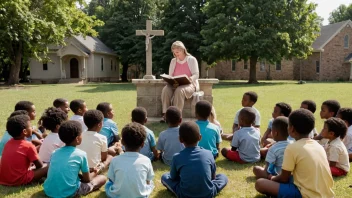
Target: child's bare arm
x=156, y=153
x=265, y=136
x=284, y=177
x=85, y=177
x=235, y=127
x=104, y=155
x=38, y=164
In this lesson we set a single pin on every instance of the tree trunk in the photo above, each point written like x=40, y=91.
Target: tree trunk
x=15, y=66
x=253, y=70
x=124, y=72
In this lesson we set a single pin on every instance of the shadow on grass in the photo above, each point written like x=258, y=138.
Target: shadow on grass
x=251, y=179
x=229, y=84
x=107, y=87
x=164, y=193
x=156, y=127
x=230, y=165
x=38, y=194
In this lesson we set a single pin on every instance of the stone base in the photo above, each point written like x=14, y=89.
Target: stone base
x=149, y=96
x=149, y=77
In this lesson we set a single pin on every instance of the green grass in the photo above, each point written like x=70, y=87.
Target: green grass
x=227, y=100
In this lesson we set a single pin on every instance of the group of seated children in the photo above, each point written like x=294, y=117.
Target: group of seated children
x=291, y=146
x=298, y=161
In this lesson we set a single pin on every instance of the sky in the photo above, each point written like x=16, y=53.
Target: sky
x=325, y=7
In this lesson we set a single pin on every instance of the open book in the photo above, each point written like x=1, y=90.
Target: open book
x=180, y=80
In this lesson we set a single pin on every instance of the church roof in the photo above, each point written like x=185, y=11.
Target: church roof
x=327, y=33
x=94, y=44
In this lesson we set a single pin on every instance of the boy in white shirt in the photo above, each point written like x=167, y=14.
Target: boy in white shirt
x=93, y=143
x=346, y=115
x=51, y=120
x=130, y=174
x=79, y=107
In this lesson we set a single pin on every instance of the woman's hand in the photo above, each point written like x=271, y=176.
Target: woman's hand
x=176, y=84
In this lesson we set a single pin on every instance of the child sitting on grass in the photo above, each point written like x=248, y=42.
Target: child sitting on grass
x=18, y=154
x=210, y=132
x=36, y=136
x=139, y=115
x=79, y=108
x=193, y=170
x=167, y=142
x=311, y=106
x=248, y=100
x=329, y=109
x=335, y=130
x=62, y=104
x=305, y=159
x=131, y=173
x=275, y=154
x=245, y=143
x=110, y=130
x=280, y=109
x=346, y=115
x=51, y=120
x=7, y=136
x=67, y=163
x=93, y=143
x=36, y=133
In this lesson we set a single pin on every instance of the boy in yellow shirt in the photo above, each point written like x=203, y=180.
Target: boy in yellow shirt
x=305, y=159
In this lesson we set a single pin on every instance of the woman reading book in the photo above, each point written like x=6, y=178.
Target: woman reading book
x=182, y=63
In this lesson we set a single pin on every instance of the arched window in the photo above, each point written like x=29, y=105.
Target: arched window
x=346, y=41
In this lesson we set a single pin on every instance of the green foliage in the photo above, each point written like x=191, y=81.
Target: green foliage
x=182, y=20
x=119, y=32
x=28, y=26
x=259, y=29
x=342, y=13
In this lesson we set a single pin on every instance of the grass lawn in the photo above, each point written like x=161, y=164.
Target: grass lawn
x=227, y=100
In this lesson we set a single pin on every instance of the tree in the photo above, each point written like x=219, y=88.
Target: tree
x=258, y=29
x=119, y=32
x=342, y=13
x=182, y=20
x=27, y=27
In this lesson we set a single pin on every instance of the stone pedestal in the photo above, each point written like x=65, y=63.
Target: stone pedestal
x=149, y=96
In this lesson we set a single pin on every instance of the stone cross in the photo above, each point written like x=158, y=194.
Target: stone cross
x=149, y=34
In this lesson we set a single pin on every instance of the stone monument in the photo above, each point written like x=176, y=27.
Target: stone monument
x=149, y=89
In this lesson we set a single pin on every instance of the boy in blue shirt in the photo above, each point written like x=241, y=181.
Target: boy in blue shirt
x=139, y=115
x=210, y=132
x=130, y=174
x=193, y=170
x=67, y=162
x=275, y=155
x=245, y=143
x=110, y=130
x=167, y=142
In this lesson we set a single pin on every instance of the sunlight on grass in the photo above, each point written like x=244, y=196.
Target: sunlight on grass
x=227, y=100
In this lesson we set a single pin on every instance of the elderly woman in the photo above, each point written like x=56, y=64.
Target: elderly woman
x=182, y=63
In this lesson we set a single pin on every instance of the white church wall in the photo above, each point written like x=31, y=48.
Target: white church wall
x=52, y=72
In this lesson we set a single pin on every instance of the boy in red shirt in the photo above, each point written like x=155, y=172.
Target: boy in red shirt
x=19, y=153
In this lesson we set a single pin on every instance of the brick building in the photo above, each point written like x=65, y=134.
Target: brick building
x=331, y=60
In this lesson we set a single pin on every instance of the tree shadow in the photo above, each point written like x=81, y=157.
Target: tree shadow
x=230, y=165
x=156, y=127
x=163, y=193
x=38, y=194
x=107, y=87
x=240, y=84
